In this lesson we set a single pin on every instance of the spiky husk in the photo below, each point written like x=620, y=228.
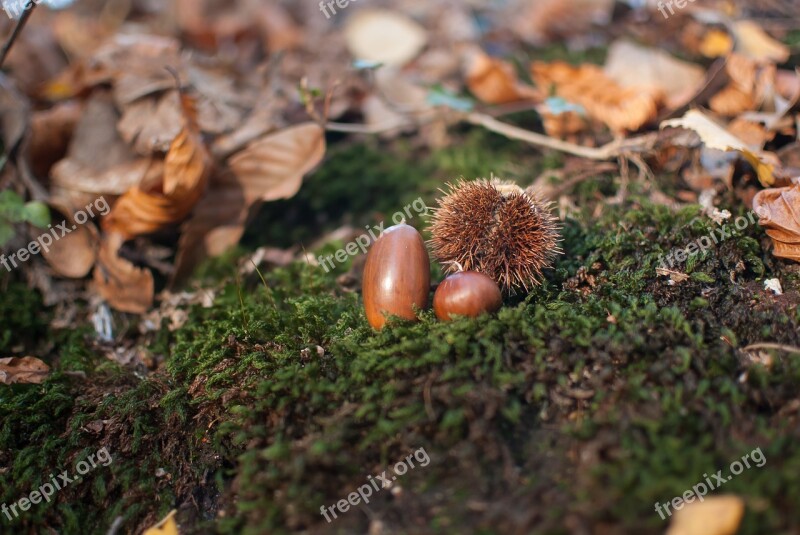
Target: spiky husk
x=495, y=228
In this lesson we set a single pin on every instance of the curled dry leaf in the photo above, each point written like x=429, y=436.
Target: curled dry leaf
x=269, y=169
x=716, y=515
x=28, y=370
x=494, y=81
x=779, y=213
x=73, y=254
x=603, y=99
x=715, y=136
x=156, y=204
x=125, y=287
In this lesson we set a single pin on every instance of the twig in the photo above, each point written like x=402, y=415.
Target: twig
x=609, y=151
x=26, y=14
x=768, y=345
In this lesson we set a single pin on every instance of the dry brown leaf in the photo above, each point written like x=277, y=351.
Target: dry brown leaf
x=604, y=100
x=779, y=213
x=125, y=287
x=542, y=21
x=494, y=81
x=751, y=86
x=677, y=80
x=27, y=370
x=73, y=255
x=98, y=160
x=51, y=131
x=269, y=169
x=752, y=133
x=716, y=515
x=273, y=167
x=154, y=205
x=753, y=42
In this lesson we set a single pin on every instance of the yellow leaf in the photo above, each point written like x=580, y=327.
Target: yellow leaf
x=715, y=136
x=166, y=527
x=716, y=515
x=716, y=44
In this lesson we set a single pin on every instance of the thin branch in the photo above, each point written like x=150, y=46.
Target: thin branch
x=768, y=345
x=26, y=14
x=609, y=151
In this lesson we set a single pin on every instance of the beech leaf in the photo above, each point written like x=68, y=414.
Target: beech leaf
x=28, y=370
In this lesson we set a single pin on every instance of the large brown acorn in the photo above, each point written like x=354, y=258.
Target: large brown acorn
x=495, y=228
x=467, y=293
x=397, y=276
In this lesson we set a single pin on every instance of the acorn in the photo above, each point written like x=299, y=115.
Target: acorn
x=467, y=293
x=397, y=276
x=498, y=229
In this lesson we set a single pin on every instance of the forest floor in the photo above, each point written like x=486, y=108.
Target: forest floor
x=573, y=410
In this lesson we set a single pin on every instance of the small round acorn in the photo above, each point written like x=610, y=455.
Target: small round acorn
x=397, y=276
x=467, y=293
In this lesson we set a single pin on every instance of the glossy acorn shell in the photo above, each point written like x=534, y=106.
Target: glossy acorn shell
x=467, y=293
x=397, y=276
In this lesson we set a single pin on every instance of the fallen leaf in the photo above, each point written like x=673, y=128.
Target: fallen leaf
x=716, y=515
x=678, y=80
x=753, y=42
x=712, y=134
x=125, y=287
x=27, y=370
x=603, y=99
x=167, y=526
x=716, y=43
x=715, y=136
x=98, y=160
x=778, y=213
x=543, y=21
x=154, y=205
x=269, y=169
x=494, y=81
x=384, y=36
x=72, y=255
x=273, y=167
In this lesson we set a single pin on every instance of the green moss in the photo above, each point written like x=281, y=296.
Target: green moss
x=602, y=391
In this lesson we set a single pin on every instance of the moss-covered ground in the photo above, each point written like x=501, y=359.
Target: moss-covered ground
x=572, y=410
